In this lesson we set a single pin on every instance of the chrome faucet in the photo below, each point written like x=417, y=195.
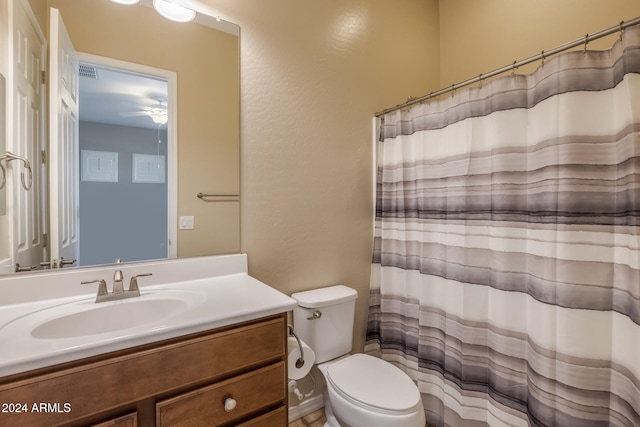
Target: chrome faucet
x=118, y=289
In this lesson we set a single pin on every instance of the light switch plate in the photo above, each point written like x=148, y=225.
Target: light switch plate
x=186, y=223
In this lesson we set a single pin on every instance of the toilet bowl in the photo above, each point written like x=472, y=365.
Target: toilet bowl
x=361, y=390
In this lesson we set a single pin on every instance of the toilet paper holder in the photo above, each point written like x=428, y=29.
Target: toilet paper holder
x=300, y=360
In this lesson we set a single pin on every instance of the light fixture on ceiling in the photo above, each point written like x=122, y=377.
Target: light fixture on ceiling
x=157, y=113
x=159, y=116
x=173, y=11
x=168, y=9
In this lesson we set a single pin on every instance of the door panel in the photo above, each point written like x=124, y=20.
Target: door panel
x=26, y=130
x=63, y=134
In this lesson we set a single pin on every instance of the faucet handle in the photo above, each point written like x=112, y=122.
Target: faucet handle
x=102, y=289
x=64, y=262
x=133, y=283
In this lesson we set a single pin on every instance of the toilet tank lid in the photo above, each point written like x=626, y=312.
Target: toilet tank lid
x=325, y=296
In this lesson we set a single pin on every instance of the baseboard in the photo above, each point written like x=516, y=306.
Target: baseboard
x=306, y=407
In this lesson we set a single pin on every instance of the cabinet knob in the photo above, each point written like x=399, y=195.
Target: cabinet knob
x=229, y=404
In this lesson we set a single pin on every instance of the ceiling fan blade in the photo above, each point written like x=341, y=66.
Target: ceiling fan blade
x=134, y=113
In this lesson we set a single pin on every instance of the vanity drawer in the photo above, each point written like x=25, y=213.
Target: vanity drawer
x=130, y=420
x=250, y=393
x=275, y=418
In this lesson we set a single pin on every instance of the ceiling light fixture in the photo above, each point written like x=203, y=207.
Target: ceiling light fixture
x=127, y=2
x=174, y=11
x=159, y=117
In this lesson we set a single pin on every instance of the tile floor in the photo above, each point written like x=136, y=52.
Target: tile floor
x=314, y=419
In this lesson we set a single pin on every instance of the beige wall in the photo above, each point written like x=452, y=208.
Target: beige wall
x=313, y=74
x=478, y=36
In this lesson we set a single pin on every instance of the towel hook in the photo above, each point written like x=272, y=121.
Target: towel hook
x=9, y=157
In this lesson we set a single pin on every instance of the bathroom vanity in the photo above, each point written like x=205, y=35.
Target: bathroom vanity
x=219, y=361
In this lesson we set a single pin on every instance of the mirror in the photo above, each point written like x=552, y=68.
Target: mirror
x=204, y=55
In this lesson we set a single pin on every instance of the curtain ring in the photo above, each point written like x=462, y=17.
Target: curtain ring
x=621, y=30
x=513, y=68
x=543, y=58
x=586, y=42
x=481, y=80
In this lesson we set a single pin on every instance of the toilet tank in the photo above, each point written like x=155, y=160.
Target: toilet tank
x=323, y=319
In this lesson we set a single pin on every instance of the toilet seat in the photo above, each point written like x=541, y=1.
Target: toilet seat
x=374, y=384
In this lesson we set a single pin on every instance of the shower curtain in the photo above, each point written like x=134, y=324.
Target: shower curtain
x=506, y=265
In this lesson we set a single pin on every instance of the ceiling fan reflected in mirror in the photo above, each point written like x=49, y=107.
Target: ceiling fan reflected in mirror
x=122, y=97
x=157, y=113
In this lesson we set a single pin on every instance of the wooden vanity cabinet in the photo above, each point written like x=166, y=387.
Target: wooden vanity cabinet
x=130, y=420
x=227, y=376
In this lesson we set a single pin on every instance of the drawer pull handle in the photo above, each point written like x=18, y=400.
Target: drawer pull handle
x=229, y=404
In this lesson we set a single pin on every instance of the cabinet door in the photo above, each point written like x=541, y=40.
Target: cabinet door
x=228, y=401
x=130, y=420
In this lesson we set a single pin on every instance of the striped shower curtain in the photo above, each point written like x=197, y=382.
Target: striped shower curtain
x=506, y=265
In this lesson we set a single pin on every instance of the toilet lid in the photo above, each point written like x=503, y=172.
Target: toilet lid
x=374, y=382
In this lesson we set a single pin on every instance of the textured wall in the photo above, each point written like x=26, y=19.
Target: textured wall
x=312, y=76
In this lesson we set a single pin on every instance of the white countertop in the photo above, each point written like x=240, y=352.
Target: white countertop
x=212, y=301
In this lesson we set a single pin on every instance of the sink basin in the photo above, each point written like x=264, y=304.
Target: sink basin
x=75, y=320
x=109, y=318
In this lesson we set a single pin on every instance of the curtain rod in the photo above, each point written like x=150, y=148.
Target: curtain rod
x=541, y=56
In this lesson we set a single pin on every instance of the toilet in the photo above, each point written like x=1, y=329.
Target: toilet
x=361, y=390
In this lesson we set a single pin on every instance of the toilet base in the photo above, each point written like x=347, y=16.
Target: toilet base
x=332, y=421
